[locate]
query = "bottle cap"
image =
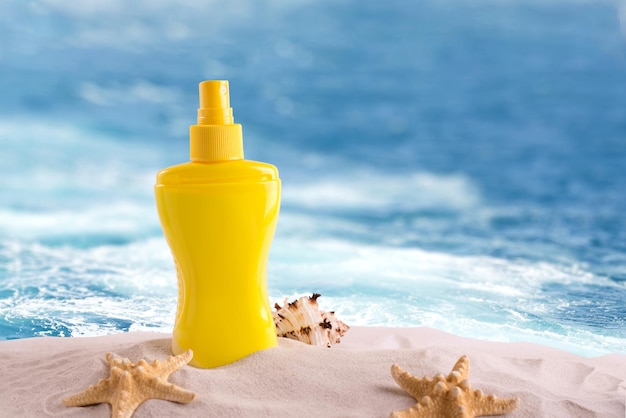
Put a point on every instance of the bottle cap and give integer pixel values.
(216, 137)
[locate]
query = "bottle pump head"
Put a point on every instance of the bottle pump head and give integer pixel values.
(216, 137)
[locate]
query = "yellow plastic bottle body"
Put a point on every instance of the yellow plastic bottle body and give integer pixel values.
(219, 220)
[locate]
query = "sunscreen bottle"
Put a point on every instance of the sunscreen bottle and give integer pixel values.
(218, 213)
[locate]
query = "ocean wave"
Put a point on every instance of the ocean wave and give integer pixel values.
(61, 290)
(339, 264)
(485, 297)
(118, 220)
(370, 190)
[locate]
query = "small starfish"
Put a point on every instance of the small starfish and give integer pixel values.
(450, 397)
(129, 385)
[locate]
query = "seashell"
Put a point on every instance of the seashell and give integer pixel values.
(302, 320)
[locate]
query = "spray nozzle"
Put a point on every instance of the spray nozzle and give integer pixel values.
(215, 103)
(216, 137)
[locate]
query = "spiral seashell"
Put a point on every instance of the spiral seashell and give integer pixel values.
(302, 320)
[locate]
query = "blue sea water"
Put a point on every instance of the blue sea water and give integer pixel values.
(453, 164)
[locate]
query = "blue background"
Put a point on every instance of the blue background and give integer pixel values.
(451, 164)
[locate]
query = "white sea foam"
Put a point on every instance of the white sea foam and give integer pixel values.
(339, 264)
(478, 296)
(370, 190)
(91, 291)
(140, 265)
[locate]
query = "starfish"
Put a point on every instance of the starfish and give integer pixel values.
(130, 384)
(450, 397)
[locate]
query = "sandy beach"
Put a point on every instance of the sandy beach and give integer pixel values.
(352, 379)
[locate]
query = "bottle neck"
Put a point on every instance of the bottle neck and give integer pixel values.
(213, 143)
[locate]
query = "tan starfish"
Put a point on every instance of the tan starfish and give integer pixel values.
(450, 397)
(130, 384)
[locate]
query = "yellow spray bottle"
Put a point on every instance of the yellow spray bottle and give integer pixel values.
(218, 213)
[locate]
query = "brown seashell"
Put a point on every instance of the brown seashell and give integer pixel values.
(302, 320)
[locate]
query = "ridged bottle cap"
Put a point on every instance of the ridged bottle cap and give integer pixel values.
(216, 137)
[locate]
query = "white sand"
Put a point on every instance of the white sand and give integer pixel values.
(351, 379)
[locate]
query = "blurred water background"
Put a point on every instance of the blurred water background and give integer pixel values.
(447, 163)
